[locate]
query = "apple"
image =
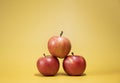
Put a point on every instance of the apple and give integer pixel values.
(59, 46)
(48, 65)
(74, 65)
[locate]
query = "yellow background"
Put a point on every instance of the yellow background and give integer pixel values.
(93, 27)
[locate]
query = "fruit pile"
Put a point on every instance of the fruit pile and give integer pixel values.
(59, 47)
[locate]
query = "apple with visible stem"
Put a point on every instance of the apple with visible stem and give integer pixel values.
(59, 46)
(48, 65)
(74, 65)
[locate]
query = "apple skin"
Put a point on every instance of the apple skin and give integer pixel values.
(59, 46)
(74, 65)
(48, 65)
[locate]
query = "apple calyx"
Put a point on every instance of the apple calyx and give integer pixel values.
(72, 53)
(61, 33)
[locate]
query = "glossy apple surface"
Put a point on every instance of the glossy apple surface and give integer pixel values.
(48, 65)
(74, 65)
(59, 46)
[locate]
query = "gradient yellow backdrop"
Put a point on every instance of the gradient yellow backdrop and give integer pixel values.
(93, 27)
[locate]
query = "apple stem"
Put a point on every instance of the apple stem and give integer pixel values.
(61, 33)
(44, 55)
(72, 53)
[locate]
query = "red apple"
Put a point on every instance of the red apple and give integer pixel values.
(59, 46)
(74, 65)
(48, 65)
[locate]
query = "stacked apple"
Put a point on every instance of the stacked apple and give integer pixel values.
(59, 47)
